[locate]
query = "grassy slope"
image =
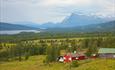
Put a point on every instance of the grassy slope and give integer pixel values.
(36, 63)
(98, 64)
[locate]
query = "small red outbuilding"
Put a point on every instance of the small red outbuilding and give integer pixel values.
(73, 56)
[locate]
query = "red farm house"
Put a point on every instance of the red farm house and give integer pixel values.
(74, 56)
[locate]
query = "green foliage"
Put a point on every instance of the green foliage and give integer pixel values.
(36, 63)
(25, 45)
(51, 35)
(27, 54)
(75, 63)
(20, 50)
(91, 50)
(52, 53)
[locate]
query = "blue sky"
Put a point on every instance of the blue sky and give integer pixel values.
(40, 11)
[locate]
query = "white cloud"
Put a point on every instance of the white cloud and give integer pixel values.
(65, 2)
(52, 10)
(107, 8)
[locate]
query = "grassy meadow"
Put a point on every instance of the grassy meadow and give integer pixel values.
(36, 63)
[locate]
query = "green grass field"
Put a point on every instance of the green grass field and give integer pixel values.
(36, 63)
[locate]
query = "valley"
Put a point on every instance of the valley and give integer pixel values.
(26, 52)
(57, 34)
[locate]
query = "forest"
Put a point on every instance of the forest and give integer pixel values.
(22, 46)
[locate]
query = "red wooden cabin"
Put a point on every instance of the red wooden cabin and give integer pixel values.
(73, 56)
(67, 58)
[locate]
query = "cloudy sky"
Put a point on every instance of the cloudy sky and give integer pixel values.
(40, 11)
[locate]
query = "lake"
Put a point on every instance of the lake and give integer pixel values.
(17, 31)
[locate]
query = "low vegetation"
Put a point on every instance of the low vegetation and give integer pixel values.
(36, 63)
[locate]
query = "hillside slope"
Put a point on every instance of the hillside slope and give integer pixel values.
(102, 27)
(8, 26)
(36, 63)
(98, 64)
(81, 20)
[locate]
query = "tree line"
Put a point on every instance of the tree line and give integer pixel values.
(22, 50)
(51, 35)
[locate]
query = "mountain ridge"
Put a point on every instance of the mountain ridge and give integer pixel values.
(71, 21)
(102, 27)
(81, 20)
(9, 26)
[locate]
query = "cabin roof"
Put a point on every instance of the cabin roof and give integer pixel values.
(75, 54)
(106, 50)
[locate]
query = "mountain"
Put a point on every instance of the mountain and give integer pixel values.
(51, 25)
(70, 21)
(102, 27)
(73, 20)
(8, 26)
(37, 25)
(29, 24)
(81, 20)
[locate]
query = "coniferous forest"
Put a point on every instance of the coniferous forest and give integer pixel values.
(22, 46)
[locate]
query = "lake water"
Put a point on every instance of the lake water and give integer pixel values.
(17, 31)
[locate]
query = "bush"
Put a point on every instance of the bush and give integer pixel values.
(52, 54)
(75, 63)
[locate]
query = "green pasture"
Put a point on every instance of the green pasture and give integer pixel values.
(36, 63)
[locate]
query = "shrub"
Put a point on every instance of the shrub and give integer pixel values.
(75, 63)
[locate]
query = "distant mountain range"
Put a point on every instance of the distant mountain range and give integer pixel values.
(102, 27)
(8, 26)
(81, 20)
(70, 21)
(37, 25)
